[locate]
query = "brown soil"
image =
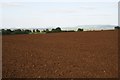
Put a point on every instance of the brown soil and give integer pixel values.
(61, 55)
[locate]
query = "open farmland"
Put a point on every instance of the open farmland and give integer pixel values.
(69, 55)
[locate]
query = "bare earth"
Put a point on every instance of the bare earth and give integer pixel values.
(61, 55)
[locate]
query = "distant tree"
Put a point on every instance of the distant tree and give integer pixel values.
(33, 30)
(47, 31)
(58, 29)
(79, 29)
(44, 31)
(3, 31)
(7, 31)
(17, 31)
(53, 30)
(37, 30)
(27, 31)
(117, 27)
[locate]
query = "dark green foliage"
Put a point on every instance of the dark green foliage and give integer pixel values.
(53, 30)
(79, 29)
(33, 30)
(58, 29)
(117, 27)
(68, 31)
(47, 31)
(27, 31)
(16, 31)
(19, 31)
(8, 31)
(37, 30)
(44, 31)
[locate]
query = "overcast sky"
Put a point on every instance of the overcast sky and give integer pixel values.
(63, 13)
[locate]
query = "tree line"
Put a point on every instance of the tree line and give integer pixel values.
(16, 31)
(58, 29)
(27, 31)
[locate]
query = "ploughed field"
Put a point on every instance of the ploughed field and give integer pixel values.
(61, 55)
